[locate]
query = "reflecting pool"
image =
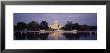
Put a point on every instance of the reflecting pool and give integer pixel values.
(55, 35)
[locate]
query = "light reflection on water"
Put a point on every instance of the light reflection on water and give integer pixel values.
(56, 35)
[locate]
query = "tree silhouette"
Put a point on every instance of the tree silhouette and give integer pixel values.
(86, 27)
(44, 25)
(68, 26)
(83, 27)
(76, 26)
(20, 26)
(33, 26)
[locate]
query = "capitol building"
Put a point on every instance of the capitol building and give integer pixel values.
(55, 25)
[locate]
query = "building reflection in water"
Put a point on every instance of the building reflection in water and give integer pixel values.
(56, 35)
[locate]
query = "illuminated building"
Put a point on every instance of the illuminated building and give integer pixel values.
(56, 25)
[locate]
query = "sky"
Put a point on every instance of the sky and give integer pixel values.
(81, 18)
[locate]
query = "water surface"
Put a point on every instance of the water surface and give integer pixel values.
(56, 35)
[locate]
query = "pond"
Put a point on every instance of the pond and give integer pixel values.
(55, 35)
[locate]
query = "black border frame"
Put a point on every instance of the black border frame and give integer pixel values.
(3, 3)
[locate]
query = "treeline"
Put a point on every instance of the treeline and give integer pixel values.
(35, 26)
(75, 26)
(32, 26)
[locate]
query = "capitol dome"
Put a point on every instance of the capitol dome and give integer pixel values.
(56, 25)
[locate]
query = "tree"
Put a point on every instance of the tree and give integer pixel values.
(83, 27)
(76, 26)
(86, 27)
(20, 26)
(33, 26)
(44, 25)
(68, 26)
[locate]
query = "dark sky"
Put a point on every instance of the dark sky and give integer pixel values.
(81, 18)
